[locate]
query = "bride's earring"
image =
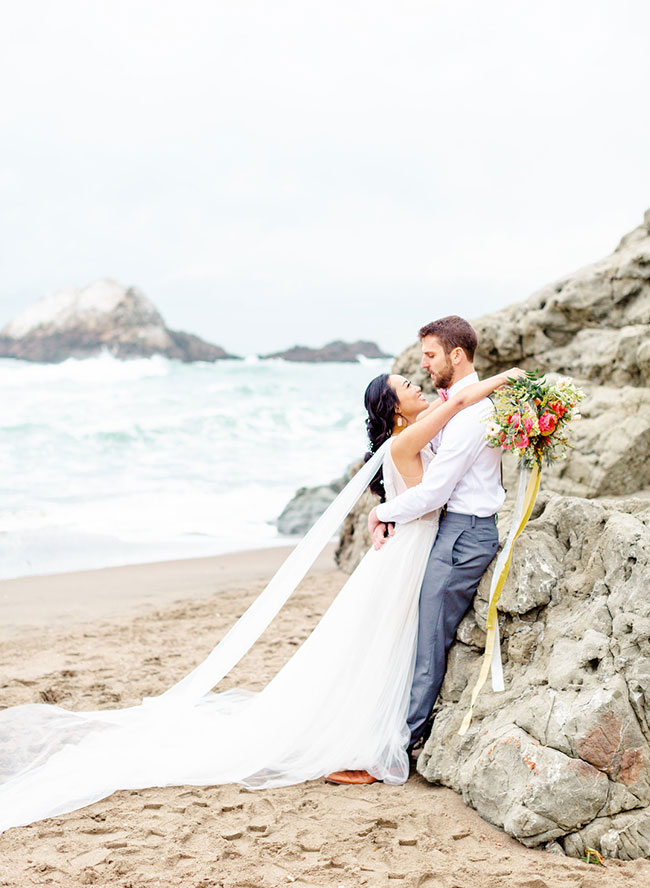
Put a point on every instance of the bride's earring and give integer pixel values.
(400, 422)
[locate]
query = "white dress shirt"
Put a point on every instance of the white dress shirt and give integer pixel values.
(466, 473)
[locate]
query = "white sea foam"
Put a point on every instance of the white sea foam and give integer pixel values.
(111, 462)
(103, 368)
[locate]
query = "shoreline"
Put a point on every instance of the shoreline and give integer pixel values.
(59, 600)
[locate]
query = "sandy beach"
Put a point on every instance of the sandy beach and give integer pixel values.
(107, 638)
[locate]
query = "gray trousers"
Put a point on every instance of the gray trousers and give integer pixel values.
(463, 548)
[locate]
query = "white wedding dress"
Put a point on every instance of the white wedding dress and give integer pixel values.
(340, 702)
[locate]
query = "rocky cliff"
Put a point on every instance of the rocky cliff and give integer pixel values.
(105, 316)
(592, 324)
(562, 758)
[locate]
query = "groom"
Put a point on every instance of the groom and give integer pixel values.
(464, 480)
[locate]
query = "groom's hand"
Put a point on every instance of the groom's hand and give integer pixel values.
(379, 531)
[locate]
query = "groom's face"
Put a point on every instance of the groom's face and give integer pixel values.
(437, 362)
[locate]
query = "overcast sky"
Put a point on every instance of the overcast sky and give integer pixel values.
(281, 172)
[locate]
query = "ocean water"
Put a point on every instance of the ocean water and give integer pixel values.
(107, 462)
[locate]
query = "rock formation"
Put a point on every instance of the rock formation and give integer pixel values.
(592, 324)
(105, 316)
(562, 758)
(306, 506)
(345, 352)
(564, 754)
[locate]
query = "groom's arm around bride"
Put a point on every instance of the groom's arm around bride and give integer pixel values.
(466, 477)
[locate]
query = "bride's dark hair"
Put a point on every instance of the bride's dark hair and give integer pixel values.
(381, 402)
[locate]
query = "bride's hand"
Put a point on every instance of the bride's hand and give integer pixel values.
(513, 373)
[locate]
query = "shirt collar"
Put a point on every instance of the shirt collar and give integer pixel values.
(463, 383)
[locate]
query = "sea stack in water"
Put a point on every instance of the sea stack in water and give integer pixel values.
(105, 316)
(337, 351)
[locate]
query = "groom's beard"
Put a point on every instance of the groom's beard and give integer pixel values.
(442, 379)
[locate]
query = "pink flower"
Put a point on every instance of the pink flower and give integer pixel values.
(515, 419)
(522, 441)
(547, 423)
(528, 424)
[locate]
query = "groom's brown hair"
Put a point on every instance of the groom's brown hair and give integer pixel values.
(453, 332)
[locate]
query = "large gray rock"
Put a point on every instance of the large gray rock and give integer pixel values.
(595, 326)
(593, 323)
(564, 754)
(337, 351)
(562, 757)
(309, 503)
(306, 506)
(102, 317)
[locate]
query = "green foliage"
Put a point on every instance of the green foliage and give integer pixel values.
(531, 386)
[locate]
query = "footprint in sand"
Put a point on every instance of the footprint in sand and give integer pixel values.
(173, 859)
(407, 840)
(185, 835)
(309, 841)
(386, 824)
(231, 834)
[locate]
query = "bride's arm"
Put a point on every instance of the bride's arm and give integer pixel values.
(415, 437)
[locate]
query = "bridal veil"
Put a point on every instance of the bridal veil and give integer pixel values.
(339, 702)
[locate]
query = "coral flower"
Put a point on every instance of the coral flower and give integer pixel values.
(547, 423)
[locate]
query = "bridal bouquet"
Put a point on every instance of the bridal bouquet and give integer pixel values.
(532, 416)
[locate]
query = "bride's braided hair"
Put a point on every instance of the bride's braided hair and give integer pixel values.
(381, 402)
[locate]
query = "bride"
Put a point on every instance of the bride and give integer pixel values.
(340, 702)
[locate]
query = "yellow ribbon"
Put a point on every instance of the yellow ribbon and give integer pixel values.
(497, 588)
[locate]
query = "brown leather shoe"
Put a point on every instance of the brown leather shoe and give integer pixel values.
(350, 777)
